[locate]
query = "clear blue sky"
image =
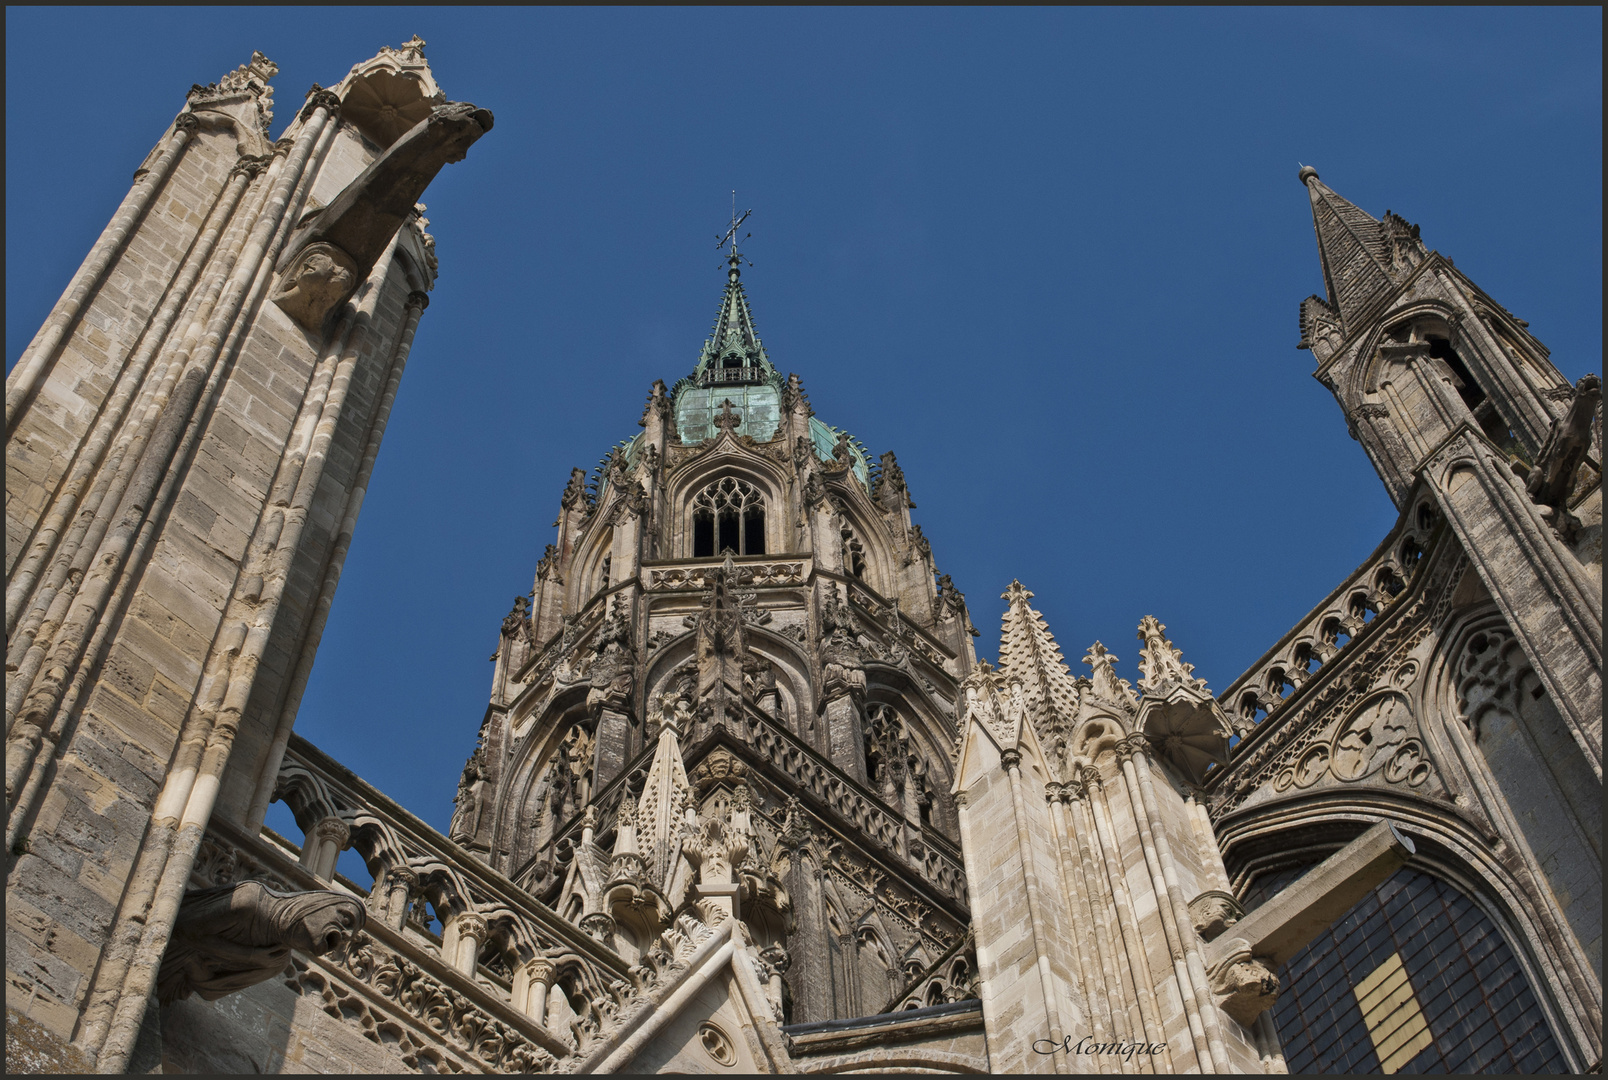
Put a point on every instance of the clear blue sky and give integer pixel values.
(1052, 258)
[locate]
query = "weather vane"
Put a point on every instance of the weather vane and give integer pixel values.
(731, 233)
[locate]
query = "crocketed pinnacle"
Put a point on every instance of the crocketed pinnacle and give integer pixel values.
(1161, 665)
(661, 808)
(1363, 258)
(1104, 683)
(1027, 651)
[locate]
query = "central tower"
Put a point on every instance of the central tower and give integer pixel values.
(732, 693)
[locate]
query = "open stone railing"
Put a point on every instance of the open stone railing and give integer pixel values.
(390, 985)
(492, 930)
(1301, 656)
(752, 571)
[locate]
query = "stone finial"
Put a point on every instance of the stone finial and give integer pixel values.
(1103, 677)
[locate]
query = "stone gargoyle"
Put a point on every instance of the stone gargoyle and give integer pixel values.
(334, 248)
(1552, 481)
(234, 936)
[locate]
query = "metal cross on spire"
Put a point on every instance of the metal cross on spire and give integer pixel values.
(736, 223)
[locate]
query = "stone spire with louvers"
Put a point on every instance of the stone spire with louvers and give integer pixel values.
(733, 337)
(1027, 651)
(1364, 259)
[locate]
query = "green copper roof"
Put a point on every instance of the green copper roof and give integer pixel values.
(733, 366)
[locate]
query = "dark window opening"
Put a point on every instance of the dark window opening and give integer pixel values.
(729, 540)
(1467, 388)
(608, 561)
(703, 536)
(754, 532)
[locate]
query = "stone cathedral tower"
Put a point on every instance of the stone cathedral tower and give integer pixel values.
(744, 798)
(735, 687)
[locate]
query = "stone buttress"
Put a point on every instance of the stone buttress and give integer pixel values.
(188, 438)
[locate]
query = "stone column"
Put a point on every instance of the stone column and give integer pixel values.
(1076, 891)
(323, 846)
(461, 940)
(1172, 910)
(1128, 923)
(531, 983)
(400, 884)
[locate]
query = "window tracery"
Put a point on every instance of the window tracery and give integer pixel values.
(728, 515)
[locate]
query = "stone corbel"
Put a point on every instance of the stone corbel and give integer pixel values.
(1213, 912)
(1244, 986)
(232, 937)
(1240, 964)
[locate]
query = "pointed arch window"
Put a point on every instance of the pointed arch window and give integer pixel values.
(728, 515)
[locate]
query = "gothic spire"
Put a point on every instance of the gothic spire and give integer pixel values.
(1363, 258)
(1027, 650)
(1161, 663)
(733, 343)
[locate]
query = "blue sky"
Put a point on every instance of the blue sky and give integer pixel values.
(1052, 258)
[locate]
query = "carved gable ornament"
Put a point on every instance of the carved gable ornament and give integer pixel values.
(1377, 741)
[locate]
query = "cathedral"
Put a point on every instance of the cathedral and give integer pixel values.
(744, 798)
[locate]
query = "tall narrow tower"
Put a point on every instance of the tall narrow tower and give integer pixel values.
(188, 438)
(1450, 395)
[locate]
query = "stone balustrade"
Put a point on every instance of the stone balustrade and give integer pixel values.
(492, 930)
(1301, 655)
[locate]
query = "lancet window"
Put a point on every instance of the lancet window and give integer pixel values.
(728, 515)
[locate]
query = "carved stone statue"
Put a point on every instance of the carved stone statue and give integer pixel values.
(234, 936)
(470, 800)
